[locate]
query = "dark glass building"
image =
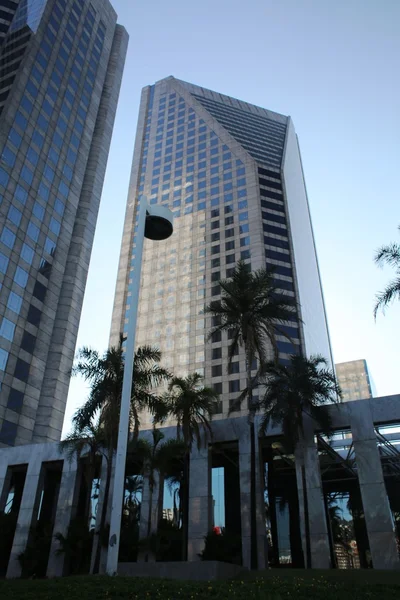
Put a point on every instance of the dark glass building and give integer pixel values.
(232, 174)
(61, 64)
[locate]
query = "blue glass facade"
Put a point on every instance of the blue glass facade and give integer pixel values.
(49, 118)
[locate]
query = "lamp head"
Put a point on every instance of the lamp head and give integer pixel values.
(159, 223)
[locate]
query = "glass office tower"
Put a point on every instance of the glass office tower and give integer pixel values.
(355, 380)
(61, 64)
(231, 172)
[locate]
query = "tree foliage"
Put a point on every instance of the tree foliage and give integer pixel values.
(289, 392)
(388, 255)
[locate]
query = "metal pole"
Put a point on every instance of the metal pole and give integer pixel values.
(123, 431)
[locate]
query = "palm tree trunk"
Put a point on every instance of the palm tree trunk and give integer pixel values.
(273, 515)
(160, 502)
(89, 476)
(305, 496)
(149, 519)
(296, 545)
(100, 532)
(253, 514)
(306, 516)
(185, 505)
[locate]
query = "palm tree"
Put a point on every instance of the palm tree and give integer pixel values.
(192, 406)
(105, 375)
(88, 442)
(253, 312)
(301, 388)
(133, 489)
(169, 460)
(389, 255)
(157, 436)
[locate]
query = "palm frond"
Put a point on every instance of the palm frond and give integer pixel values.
(389, 294)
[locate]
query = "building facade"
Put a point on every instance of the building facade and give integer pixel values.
(355, 380)
(231, 173)
(61, 64)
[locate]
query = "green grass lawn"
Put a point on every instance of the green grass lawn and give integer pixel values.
(271, 585)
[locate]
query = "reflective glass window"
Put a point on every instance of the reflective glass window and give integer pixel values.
(32, 156)
(59, 206)
(63, 189)
(32, 89)
(14, 215)
(38, 211)
(43, 191)
(55, 226)
(14, 137)
(3, 363)
(27, 174)
(8, 156)
(7, 237)
(26, 104)
(27, 253)
(14, 302)
(4, 177)
(21, 277)
(38, 139)
(49, 246)
(42, 122)
(4, 260)
(7, 329)
(33, 232)
(21, 121)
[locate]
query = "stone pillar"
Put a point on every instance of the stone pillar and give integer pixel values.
(200, 505)
(376, 507)
(245, 480)
(307, 457)
(29, 506)
(64, 514)
(5, 478)
(148, 497)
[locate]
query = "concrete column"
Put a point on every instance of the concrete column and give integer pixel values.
(64, 514)
(29, 505)
(307, 456)
(245, 480)
(199, 501)
(4, 483)
(378, 517)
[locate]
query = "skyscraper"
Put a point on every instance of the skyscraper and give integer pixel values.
(355, 380)
(61, 64)
(232, 174)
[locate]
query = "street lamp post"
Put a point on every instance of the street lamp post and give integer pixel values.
(154, 223)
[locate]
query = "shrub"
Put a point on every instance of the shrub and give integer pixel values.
(224, 546)
(8, 522)
(34, 558)
(77, 546)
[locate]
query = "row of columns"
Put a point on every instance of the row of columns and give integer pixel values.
(372, 486)
(375, 501)
(30, 504)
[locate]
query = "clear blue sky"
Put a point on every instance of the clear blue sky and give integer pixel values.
(333, 65)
